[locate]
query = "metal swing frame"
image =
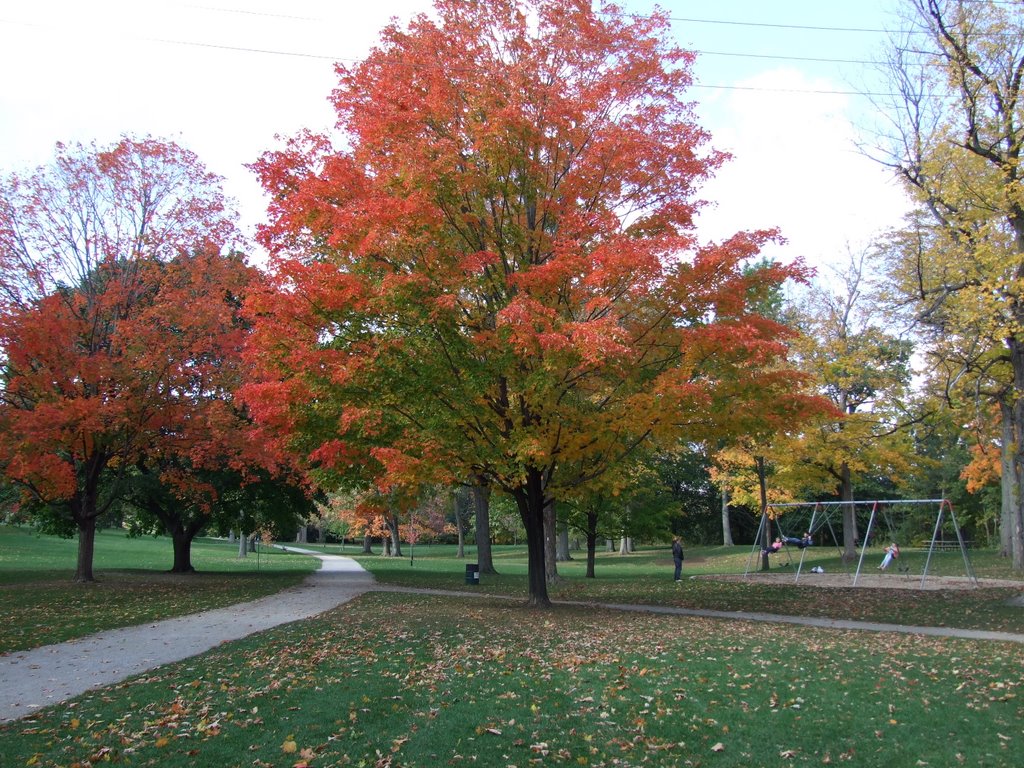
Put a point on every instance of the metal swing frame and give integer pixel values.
(824, 509)
(944, 505)
(811, 528)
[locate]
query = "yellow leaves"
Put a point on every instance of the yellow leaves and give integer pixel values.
(289, 746)
(162, 742)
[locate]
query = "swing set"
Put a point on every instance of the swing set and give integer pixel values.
(820, 529)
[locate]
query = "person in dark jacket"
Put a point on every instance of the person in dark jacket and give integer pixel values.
(677, 557)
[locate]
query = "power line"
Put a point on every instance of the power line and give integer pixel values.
(809, 91)
(782, 57)
(763, 89)
(349, 59)
(245, 12)
(621, 14)
(300, 54)
(760, 24)
(730, 54)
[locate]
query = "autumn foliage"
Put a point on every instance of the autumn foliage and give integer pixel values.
(115, 323)
(494, 272)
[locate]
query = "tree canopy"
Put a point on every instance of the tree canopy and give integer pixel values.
(959, 263)
(494, 273)
(111, 319)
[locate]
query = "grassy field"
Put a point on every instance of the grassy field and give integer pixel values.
(40, 604)
(410, 680)
(396, 680)
(645, 578)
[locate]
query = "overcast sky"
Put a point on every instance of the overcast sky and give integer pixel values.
(224, 77)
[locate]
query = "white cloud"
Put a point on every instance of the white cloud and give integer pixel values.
(796, 166)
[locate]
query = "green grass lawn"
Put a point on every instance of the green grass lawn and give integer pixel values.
(412, 680)
(406, 680)
(646, 578)
(39, 603)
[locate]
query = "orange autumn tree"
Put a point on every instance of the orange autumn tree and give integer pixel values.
(200, 466)
(494, 271)
(93, 368)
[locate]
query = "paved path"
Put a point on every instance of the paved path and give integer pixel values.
(54, 673)
(51, 674)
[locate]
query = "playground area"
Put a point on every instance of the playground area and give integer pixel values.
(880, 544)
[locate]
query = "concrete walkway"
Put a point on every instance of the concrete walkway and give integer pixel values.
(54, 673)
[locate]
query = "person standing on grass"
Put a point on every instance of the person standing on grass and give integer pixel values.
(677, 557)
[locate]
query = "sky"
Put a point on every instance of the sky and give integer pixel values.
(777, 86)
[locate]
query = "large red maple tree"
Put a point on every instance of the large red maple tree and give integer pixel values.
(494, 273)
(107, 351)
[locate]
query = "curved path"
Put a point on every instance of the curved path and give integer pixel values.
(54, 673)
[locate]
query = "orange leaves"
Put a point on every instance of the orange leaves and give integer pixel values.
(130, 322)
(985, 466)
(498, 264)
(333, 454)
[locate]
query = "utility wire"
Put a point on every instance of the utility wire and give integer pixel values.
(759, 24)
(728, 54)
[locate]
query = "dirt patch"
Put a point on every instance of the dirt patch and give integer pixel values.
(866, 580)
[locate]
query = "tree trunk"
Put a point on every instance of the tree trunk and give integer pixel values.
(591, 542)
(301, 536)
(530, 501)
(84, 511)
(181, 531)
(609, 545)
(182, 542)
(550, 549)
(849, 515)
(86, 549)
(1008, 484)
(562, 545)
(625, 545)
(726, 523)
(460, 554)
(1017, 359)
(396, 539)
(367, 544)
(243, 544)
(482, 512)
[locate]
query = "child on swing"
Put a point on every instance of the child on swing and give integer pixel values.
(891, 553)
(774, 547)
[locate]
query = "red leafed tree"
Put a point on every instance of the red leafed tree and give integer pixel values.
(198, 461)
(92, 368)
(495, 273)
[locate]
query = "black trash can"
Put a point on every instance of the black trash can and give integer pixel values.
(472, 573)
